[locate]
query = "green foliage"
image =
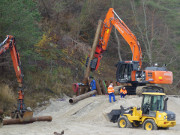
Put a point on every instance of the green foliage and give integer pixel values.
(19, 18)
(156, 6)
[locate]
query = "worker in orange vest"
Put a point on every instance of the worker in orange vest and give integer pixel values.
(123, 92)
(111, 92)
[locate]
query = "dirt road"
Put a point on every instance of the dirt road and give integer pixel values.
(87, 118)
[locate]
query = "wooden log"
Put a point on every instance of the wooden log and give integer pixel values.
(88, 88)
(18, 121)
(81, 97)
(1, 112)
(107, 83)
(118, 84)
(106, 87)
(116, 90)
(96, 40)
(98, 88)
(103, 89)
(114, 83)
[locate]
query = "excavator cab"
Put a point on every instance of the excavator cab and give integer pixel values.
(128, 71)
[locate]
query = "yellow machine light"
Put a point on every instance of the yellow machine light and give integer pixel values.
(107, 30)
(160, 77)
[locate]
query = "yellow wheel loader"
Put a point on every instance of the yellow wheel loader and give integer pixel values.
(152, 115)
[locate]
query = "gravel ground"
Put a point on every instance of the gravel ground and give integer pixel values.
(87, 118)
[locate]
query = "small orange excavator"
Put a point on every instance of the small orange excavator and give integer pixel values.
(128, 71)
(9, 44)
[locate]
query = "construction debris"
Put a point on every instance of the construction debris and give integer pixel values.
(56, 133)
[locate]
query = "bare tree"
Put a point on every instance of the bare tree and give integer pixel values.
(117, 38)
(144, 35)
(119, 45)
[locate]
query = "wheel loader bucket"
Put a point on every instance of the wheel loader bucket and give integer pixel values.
(113, 115)
(27, 115)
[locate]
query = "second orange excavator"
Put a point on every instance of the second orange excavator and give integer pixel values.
(9, 44)
(128, 71)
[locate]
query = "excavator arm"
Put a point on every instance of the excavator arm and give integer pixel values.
(10, 44)
(112, 19)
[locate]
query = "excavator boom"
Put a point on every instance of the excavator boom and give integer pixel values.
(9, 44)
(112, 19)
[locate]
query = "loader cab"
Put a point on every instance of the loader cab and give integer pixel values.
(153, 100)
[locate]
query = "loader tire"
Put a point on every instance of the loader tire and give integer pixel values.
(136, 124)
(123, 122)
(149, 125)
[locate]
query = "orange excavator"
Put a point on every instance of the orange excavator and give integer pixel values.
(128, 71)
(9, 44)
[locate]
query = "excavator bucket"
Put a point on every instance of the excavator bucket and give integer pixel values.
(27, 115)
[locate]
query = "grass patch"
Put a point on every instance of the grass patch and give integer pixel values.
(7, 98)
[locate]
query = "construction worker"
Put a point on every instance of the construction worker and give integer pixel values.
(111, 92)
(92, 84)
(123, 92)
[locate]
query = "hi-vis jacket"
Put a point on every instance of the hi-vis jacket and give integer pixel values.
(110, 89)
(123, 91)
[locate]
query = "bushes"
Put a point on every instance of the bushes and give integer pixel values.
(7, 97)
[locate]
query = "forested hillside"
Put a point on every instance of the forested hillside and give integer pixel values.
(54, 38)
